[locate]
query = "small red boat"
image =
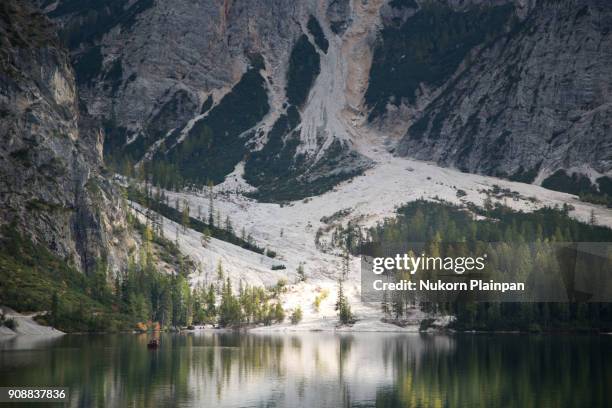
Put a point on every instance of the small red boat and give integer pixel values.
(153, 344)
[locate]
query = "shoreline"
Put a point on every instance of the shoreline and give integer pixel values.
(28, 327)
(4, 335)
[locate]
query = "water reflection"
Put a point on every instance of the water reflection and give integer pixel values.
(317, 369)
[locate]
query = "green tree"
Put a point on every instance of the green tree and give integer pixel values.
(181, 301)
(220, 277)
(205, 238)
(228, 225)
(279, 313)
(185, 217)
(229, 309)
(385, 304)
(342, 306)
(211, 308)
(211, 205)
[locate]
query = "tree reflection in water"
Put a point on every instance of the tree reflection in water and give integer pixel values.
(317, 369)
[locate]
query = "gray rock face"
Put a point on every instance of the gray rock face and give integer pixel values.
(154, 74)
(519, 98)
(50, 159)
(148, 80)
(534, 100)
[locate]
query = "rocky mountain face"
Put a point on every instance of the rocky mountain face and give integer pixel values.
(194, 88)
(52, 189)
(298, 91)
(530, 97)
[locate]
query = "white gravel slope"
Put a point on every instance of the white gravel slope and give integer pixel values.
(290, 229)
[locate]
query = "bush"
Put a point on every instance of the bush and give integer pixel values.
(296, 316)
(281, 285)
(278, 267)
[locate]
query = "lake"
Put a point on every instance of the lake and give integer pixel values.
(210, 369)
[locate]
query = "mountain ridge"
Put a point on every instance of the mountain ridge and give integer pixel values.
(146, 100)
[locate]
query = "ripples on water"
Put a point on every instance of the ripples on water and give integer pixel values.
(316, 370)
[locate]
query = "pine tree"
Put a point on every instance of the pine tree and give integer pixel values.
(205, 239)
(229, 309)
(211, 309)
(181, 301)
(211, 207)
(345, 264)
(385, 304)
(199, 299)
(228, 225)
(220, 277)
(185, 217)
(342, 306)
(165, 312)
(397, 304)
(245, 302)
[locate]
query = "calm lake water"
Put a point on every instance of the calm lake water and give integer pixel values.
(208, 369)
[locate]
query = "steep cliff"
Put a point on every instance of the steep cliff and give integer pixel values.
(52, 190)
